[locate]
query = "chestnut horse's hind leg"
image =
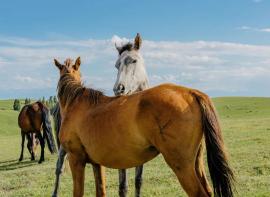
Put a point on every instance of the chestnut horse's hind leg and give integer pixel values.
(22, 145)
(190, 182)
(123, 184)
(181, 157)
(30, 146)
(42, 145)
(99, 173)
(138, 180)
(200, 170)
(77, 166)
(184, 168)
(59, 169)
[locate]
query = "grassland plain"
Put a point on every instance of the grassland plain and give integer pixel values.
(246, 127)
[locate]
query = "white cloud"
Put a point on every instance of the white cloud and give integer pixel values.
(219, 68)
(247, 28)
(244, 28)
(29, 82)
(265, 30)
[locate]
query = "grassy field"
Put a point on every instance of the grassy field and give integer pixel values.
(246, 127)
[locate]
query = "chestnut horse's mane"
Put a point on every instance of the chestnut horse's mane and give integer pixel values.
(69, 89)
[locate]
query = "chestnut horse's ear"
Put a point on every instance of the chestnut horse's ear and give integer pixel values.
(60, 66)
(77, 63)
(137, 42)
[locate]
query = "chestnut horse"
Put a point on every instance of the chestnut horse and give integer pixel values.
(130, 63)
(126, 131)
(32, 119)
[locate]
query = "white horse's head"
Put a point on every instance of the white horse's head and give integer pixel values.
(132, 76)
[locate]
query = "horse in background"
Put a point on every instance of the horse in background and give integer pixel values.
(55, 111)
(167, 119)
(136, 79)
(32, 119)
(61, 153)
(131, 78)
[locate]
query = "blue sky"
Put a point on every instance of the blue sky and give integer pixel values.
(220, 47)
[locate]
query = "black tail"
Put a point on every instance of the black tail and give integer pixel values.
(47, 129)
(57, 122)
(220, 171)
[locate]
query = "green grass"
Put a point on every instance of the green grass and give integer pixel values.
(246, 128)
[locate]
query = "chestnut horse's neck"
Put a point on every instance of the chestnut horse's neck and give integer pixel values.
(70, 89)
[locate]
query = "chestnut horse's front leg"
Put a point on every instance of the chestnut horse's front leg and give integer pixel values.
(99, 173)
(77, 166)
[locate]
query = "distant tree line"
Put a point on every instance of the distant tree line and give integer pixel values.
(17, 105)
(27, 101)
(50, 103)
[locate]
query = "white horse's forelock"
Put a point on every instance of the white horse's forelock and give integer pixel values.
(119, 42)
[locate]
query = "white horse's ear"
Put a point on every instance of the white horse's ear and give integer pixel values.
(57, 64)
(77, 63)
(137, 42)
(117, 47)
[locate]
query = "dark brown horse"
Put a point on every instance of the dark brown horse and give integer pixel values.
(32, 119)
(167, 119)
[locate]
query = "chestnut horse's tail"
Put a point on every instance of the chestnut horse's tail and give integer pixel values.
(57, 122)
(47, 129)
(220, 171)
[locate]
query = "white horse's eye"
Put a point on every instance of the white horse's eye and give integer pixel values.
(117, 64)
(130, 60)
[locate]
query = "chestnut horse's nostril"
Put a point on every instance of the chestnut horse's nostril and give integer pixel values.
(121, 88)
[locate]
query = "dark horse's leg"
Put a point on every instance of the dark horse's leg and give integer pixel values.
(30, 146)
(59, 169)
(138, 180)
(123, 184)
(42, 145)
(22, 145)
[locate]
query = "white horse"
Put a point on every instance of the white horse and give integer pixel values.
(131, 78)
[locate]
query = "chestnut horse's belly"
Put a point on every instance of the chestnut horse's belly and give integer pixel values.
(125, 158)
(117, 148)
